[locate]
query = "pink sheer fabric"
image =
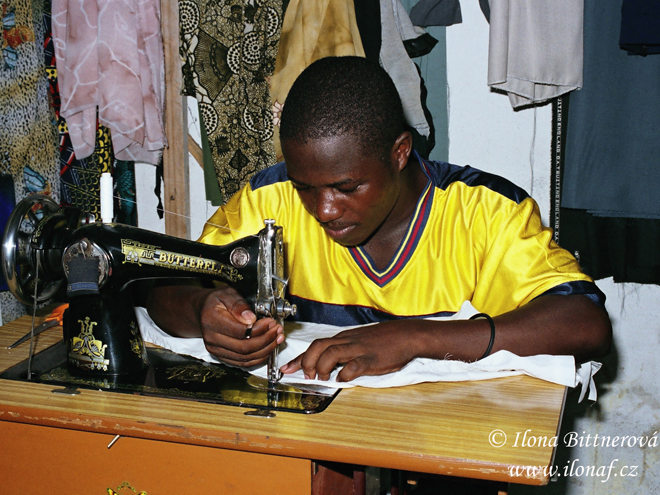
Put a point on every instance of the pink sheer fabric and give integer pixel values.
(110, 60)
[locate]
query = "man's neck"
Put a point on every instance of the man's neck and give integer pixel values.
(383, 244)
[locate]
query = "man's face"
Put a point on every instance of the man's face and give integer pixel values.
(349, 194)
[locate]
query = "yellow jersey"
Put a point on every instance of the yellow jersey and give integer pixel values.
(474, 236)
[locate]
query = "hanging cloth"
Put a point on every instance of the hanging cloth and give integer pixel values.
(367, 16)
(398, 32)
(610, 208)
(229, 52)
(79, 178)
(125, 204)
(535, 49)
(28, 133)
(311, 31)
(436, 13)
(110, 60)
(612, 146)
(640, 27)
(442, 12)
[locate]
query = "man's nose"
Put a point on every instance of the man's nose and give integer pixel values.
(326, 208)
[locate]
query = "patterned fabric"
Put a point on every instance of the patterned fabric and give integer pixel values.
(111, 68)
(229, 51)
(28, 134)
(474, 236)
(79, 177)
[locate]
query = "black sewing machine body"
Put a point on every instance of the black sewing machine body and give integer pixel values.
(101, 329)
(100, 261)
(45, 245)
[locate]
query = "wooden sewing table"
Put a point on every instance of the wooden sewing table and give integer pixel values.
(53, 443)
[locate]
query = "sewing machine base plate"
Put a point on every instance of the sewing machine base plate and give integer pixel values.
(175, 376)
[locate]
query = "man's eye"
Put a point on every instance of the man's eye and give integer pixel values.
(347, 189)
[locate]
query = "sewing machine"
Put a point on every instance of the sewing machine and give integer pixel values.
(44, 245)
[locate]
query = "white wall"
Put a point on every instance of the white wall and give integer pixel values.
(145, 179)
(483, 129)
(486, 133)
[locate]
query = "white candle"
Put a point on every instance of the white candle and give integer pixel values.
(107, 207)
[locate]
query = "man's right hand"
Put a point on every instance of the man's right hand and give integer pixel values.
(222, 317)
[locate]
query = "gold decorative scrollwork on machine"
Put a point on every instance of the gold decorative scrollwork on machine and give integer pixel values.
(86, 351)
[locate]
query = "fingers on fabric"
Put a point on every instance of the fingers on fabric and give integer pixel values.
(358, 354)
(263, 332)
(237, 359)
(322, 367)
(321, 358)
(332, 356)
(292, 366)
(266, 335)
(225, 321)
(353, 369)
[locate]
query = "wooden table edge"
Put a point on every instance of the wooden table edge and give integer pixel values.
(265, 444)
(97, 422)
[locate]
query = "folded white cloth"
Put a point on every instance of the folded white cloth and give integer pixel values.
(556, 369)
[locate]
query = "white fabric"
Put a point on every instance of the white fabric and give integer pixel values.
(535, 48)
(556, 369)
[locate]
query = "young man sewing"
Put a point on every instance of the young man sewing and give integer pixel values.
(374, 233)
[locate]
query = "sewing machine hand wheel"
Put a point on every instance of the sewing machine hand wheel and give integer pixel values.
(19, 258)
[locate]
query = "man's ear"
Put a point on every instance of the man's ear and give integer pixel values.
(401, 150)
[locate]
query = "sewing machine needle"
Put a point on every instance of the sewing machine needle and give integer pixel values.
(274, 373)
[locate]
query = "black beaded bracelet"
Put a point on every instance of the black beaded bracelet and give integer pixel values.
(492, 331)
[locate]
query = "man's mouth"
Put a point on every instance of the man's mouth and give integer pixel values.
(338, 232)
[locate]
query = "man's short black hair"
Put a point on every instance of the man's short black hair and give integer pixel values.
(337, 96)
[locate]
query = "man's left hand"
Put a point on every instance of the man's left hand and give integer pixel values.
(371, 350)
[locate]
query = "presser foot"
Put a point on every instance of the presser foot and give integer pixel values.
(271, 387)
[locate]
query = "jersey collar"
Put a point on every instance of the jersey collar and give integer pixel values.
(408, 244)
